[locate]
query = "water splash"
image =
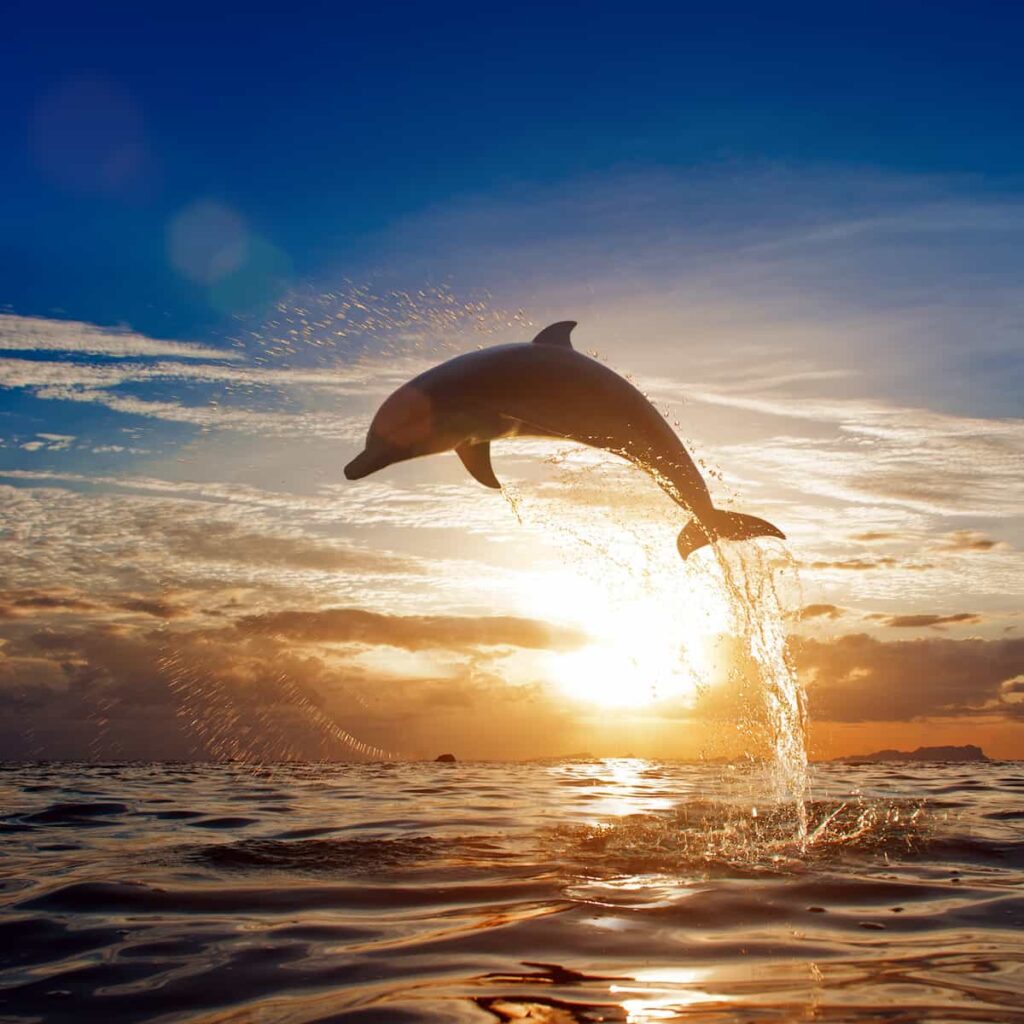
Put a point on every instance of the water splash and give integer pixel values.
(514, 500)
(354, 320)
(728, 836)
(746, 590)
(232, 726)
(751, 574)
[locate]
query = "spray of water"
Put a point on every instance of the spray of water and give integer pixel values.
(751, 576)
(275, 716)
(728, 836)
(752, 582)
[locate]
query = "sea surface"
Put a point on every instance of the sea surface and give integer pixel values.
(571, 891)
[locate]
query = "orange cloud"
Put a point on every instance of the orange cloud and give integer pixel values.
(856, 678)
(411, 632)
(968, 540)
(920, 621)
(819, 611)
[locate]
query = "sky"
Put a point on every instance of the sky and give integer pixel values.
(226, 235)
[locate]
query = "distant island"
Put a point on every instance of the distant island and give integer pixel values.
(965, 753)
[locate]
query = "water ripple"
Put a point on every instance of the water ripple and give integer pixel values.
(580, 891)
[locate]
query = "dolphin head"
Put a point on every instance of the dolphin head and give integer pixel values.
(406, 426)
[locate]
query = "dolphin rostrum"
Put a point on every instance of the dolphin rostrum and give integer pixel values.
(544, 389)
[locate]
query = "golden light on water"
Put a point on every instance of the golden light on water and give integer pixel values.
(663, 993)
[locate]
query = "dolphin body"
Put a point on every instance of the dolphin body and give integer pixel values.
(544, 389)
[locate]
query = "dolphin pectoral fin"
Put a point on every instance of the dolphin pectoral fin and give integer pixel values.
(556, 334)
(476, 457)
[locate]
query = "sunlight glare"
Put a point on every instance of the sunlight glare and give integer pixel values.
(651, 631)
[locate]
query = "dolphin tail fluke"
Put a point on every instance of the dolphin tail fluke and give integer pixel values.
(719, 525)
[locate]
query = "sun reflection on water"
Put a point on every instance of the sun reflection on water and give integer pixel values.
(663, 993)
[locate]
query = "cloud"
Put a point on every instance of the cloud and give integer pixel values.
(190, 536)
(49, 442)
(867, 451)
(100, 692)
(156, 607)
(38, 334)
(256, 399)
(968, 540)
(275, 687)
(772, 319)
(35, 603)
(225, 542)
(249, 399)
(819, 611)
(857, 678)
(306, 425)
(410, 632)
(839, 267)
(21, 603)
(919, 621)
(185, 692)
(859, 564)
(362, 379)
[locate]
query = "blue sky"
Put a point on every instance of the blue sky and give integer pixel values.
(226, 235)
(323, 125)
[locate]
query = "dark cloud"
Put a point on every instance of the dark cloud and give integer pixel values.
(18, 674)
(153, 606)
(820, 611)
(103, 691)
(104, 694)
(20, 603)
(411, 632)
(876, 536)
(857, 678)
(920, 621)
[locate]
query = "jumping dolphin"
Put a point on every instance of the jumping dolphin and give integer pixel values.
(544, 389)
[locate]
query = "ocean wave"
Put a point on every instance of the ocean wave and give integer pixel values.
(575, 891)
(347, 856)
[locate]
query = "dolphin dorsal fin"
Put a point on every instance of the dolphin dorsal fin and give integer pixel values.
(476, 457)
(556, 334)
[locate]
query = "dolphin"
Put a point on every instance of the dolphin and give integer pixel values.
(544, 389)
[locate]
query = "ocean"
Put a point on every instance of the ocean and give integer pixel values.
(616, 890)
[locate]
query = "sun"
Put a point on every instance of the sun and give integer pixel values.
(611, 676)
(607, 566)
(650, 634)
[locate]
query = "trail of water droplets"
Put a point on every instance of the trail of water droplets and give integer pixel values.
(313, 328)
(751, 573)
